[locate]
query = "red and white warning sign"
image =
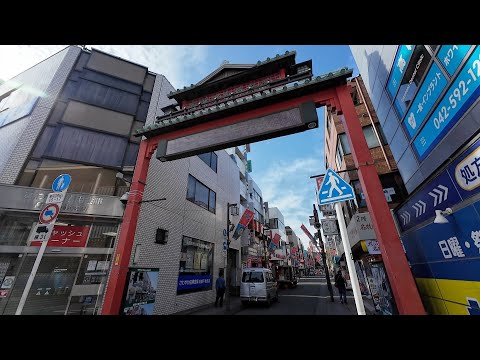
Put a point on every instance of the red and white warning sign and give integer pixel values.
(49, 213)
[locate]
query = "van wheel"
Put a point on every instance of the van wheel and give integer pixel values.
(269, 301)
(244, 302)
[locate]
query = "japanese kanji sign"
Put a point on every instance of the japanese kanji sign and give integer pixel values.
(67, 236)
(466, 171)
(461, 94)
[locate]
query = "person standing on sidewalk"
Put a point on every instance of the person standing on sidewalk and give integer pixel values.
(340, 284)
(220, 287)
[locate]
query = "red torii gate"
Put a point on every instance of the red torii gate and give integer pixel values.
(337, 98)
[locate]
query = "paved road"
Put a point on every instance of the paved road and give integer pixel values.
(310, 297)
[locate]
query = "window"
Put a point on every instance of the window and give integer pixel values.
(256, 196)
(210, 159)
(345, 144)
(329, 119)
(355, 96)
(382, 135)
(200, 194)
(339, 155)
(273, 224)
(372, 140)
(252, 277)
(196, 266)
(257, 216)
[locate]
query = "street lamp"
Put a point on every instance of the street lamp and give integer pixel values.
(234, 210)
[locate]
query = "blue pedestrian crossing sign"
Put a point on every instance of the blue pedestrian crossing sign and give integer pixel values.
(334, 189)
(61, 182)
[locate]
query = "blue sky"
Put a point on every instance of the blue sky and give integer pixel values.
(281, 167)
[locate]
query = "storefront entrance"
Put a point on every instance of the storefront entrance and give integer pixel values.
(64, 284)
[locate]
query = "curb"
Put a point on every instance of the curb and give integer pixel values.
(233, 310)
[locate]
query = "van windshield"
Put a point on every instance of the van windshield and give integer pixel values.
(253, 277)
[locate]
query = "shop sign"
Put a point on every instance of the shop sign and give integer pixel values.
(373, 246)
(186, 282)
(432, 87)
(457, 99)
(460, 181)
(399, 65)
(21, 198)
(452, 56)
(67, 236)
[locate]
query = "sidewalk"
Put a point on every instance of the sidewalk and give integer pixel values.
(210, 309)
(326, 307)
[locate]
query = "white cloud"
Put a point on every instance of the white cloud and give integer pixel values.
(181, 64)
(15, 59)
(286, 185)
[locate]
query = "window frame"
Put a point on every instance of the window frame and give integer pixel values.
(374, 136)
(209, 208)
(211, 164)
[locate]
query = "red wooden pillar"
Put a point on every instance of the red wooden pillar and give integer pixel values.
(118, 274)
(401, 280)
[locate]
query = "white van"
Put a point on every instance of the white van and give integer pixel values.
(258, 284)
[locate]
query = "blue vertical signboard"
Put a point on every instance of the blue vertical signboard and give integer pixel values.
(451, 56)
(429, 92)
(401, 60)
(461, 94)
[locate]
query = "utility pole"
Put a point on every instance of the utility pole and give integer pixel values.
(227, 273)
(322, 247)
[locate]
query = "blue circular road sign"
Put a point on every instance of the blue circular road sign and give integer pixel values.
(61, 182)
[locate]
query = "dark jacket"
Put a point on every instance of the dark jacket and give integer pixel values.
(220, 284)
(340, 281)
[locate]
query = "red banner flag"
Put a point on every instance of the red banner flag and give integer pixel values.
(305, 230)
(276, 239)
(247, 216)
(319, 182)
